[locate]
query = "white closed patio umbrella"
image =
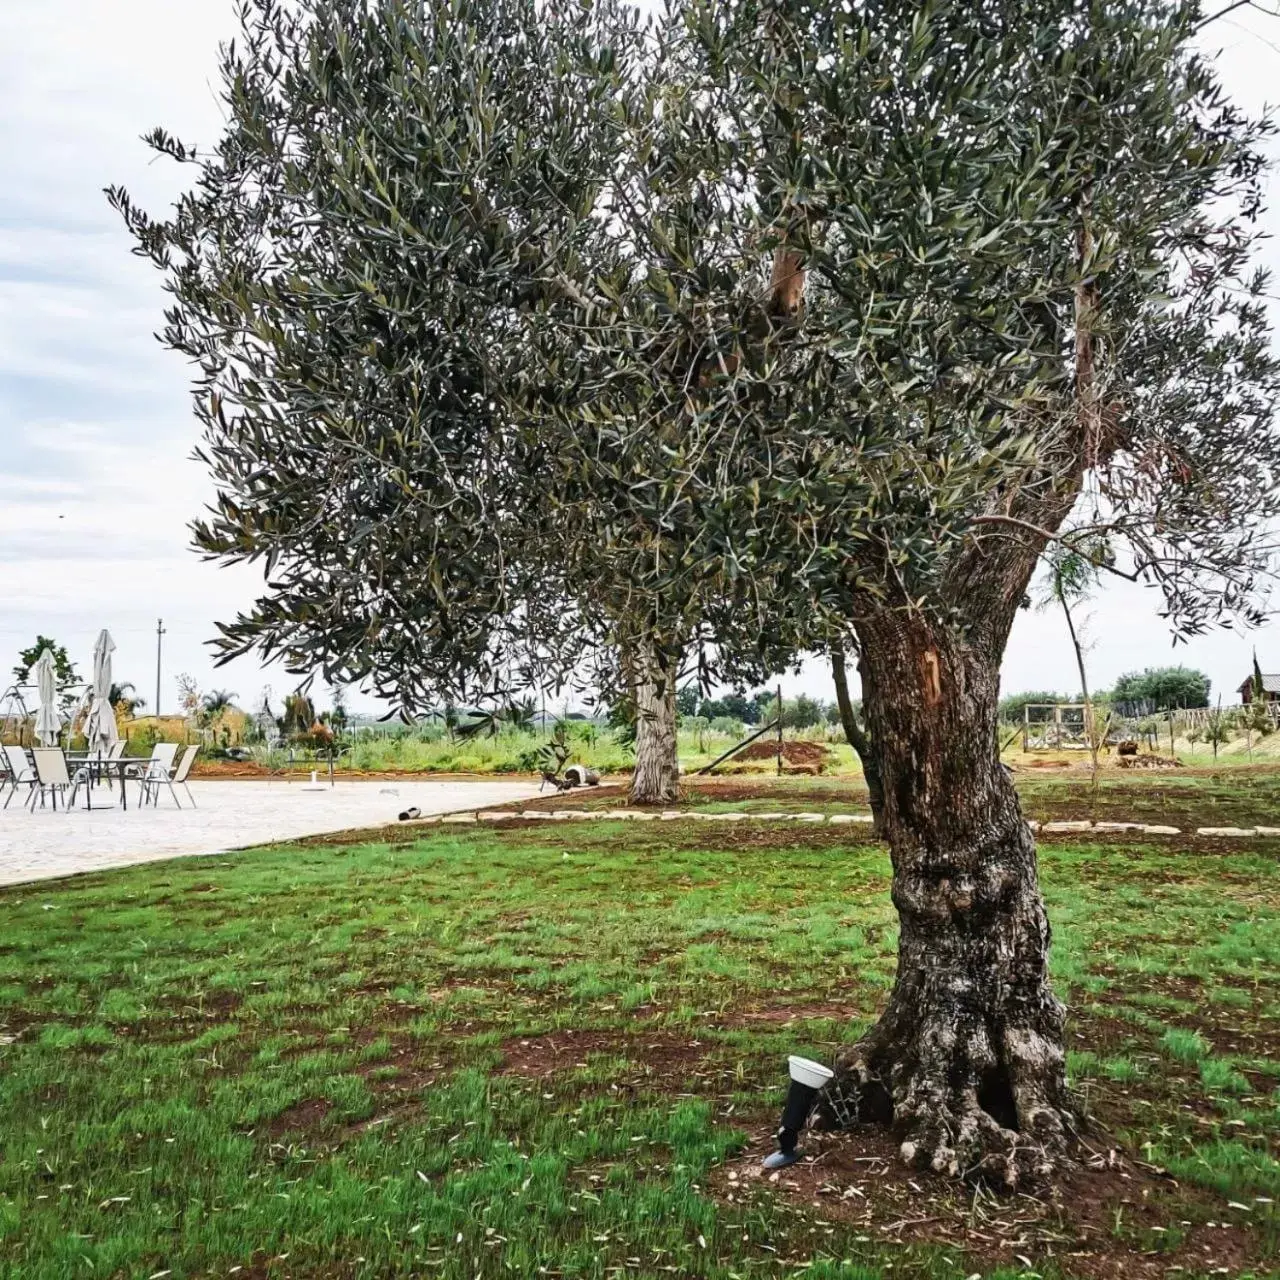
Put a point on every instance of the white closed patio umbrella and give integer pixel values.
(100, 724)
(48, 725)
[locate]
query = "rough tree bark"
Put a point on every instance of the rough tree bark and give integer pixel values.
(857, 738)
(967, 1061)
(656, 779)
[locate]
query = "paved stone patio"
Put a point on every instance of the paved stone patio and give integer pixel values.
(230, 815)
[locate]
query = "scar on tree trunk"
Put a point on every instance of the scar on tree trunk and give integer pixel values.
(857, 738)
(787, 284)
(967, 1062)
(656, 778)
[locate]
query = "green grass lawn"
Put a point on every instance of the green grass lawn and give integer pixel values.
(560, 1051)
(1232, 795)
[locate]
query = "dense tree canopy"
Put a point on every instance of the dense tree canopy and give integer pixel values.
(487, 355)
(747, 709)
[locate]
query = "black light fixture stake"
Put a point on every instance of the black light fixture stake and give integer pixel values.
(808, 1079)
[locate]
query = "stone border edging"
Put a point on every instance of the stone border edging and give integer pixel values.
(835, 819)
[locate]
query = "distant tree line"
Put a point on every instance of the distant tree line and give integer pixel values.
(1135, 693)
(756, 708)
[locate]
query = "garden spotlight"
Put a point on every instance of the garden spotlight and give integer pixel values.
(808, 1079)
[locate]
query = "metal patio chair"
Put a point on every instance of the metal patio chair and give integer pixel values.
(20, 772)
(53, 778)
(113, 753)
(156, 768)
(173, 779)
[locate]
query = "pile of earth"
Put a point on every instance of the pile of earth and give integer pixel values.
(798, 756)
(1148, 762)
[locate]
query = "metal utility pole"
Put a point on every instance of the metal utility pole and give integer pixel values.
(159, 633)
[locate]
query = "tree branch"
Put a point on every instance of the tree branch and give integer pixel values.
(1231, 8)
(1064, 538)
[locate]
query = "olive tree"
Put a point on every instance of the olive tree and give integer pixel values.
(1035, 250)
(439, 252)
(770, 322)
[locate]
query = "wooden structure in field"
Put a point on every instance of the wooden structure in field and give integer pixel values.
(1270, 689)
(1055, 726)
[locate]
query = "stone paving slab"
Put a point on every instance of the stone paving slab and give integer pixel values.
(1080, 827)
(230, 815)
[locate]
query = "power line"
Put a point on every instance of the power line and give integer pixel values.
(1231, 8)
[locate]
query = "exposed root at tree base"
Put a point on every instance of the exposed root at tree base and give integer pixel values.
(971, 1145)
(956, 1122)
(856, 1178)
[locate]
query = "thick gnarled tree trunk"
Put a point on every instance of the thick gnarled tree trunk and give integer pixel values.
(967, 1061)
(656, 779)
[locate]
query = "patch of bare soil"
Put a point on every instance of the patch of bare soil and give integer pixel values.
(658, 1054)
(829, 791)
(264, 1268)
(1108, 762)
(399, 833)
(660, 836)
(784, 1014)
(223, 769)
(303, 1117)
(218, 1004)
(399, 1096)
(1106, 1217)
(399, 1079)
(14, 1023)
(608, 795)
(1227, 1029)
(397, 1082)
(721, 788)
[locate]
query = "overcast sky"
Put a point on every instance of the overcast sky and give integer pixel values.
(96, 482)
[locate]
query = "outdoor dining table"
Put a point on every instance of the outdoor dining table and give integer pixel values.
(122, 769)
